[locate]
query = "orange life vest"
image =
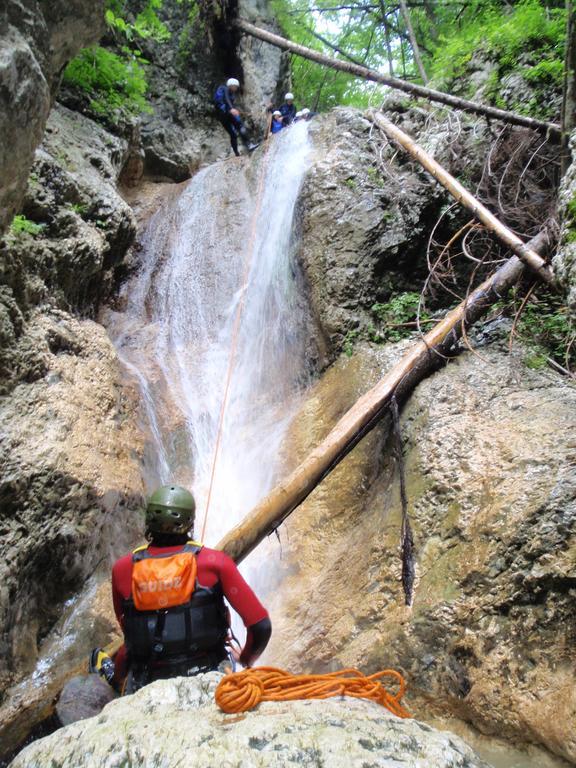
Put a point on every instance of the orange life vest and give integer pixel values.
(163, 581)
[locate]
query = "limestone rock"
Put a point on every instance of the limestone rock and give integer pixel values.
(565, 258)
(176, 722)
(36, 40)
(82, 229)
(66, 509)
(492, 493)
(364, 220)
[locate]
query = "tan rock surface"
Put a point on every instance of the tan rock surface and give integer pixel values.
(492, 488)
(70, 495)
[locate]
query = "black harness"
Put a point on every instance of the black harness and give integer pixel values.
(174, 641)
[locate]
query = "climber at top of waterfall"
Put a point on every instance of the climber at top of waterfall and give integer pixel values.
(169, 600)
(277, 123)
(229, 115)
(288, 109)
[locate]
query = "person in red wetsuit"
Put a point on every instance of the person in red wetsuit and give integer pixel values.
(169, 600)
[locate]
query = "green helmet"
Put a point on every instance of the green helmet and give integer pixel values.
(170, 509)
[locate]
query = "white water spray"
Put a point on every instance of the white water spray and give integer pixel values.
(176, 334)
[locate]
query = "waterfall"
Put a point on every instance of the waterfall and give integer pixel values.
(227, 240)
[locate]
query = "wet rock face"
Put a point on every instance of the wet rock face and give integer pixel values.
(565, 259)
(79, 230)
(365, 221)
(181, 133)
(66, 508)
(334, 732)
(492, 492)
(36, 40)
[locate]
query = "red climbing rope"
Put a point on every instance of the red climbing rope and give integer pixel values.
(241, 691)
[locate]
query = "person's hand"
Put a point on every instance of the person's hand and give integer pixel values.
(235, 112)
(235, 652)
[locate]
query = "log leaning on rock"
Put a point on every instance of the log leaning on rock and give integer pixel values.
(464, 197)
(394, 82)
(428, 353)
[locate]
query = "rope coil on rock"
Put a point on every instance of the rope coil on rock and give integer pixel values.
(241, 691)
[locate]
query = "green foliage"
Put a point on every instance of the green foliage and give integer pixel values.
(80, 208)
(527, 37)
(115, 83)
(570, 220)
(398, 316)
(22, 225)
(192, 32)
(146, 25)
(549, 332)
(349, 340)
(315, 86)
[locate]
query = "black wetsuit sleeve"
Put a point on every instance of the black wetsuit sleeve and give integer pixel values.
(257, 639)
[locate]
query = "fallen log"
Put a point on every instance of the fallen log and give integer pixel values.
(426, 354)
(394, 82)
(463, 196)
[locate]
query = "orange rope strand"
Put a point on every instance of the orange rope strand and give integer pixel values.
(241, 691)
(236, 329)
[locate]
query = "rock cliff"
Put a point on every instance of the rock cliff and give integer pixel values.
(565, 259)
(491, 483)
(336, 732)
(37, 40)
(492, 491)
(70, 484)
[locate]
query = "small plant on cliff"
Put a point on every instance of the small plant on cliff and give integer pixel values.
(527, 38)
(548, 331)
(115, 84)
(22, 225)
(397, 317)
(146, 25)
(115, 80)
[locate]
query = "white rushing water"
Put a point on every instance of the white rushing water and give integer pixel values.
(227, 240)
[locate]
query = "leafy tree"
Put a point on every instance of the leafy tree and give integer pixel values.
(528, 36)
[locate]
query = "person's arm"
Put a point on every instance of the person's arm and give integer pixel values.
(250, 609)
(121, 576)
(257, 637)
(228, 99)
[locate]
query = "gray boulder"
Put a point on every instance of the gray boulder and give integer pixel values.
(176, 722)
(37, 39)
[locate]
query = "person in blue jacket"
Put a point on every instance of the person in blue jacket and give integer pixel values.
(229, 115)
(288, 109)
(277, 122)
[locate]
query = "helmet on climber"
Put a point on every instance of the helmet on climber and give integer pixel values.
(169, 600)
(229, 115)
(289, 97)
(170, 509)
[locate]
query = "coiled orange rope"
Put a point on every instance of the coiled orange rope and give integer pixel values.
(241, 691)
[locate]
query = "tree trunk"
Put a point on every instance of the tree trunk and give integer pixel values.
(569, 93)
(425, 355)
(394, 82)
(413, 41)
(461, 194)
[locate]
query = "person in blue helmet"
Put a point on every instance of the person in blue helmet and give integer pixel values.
(229, 116)
(277, 123)
(288, 109)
